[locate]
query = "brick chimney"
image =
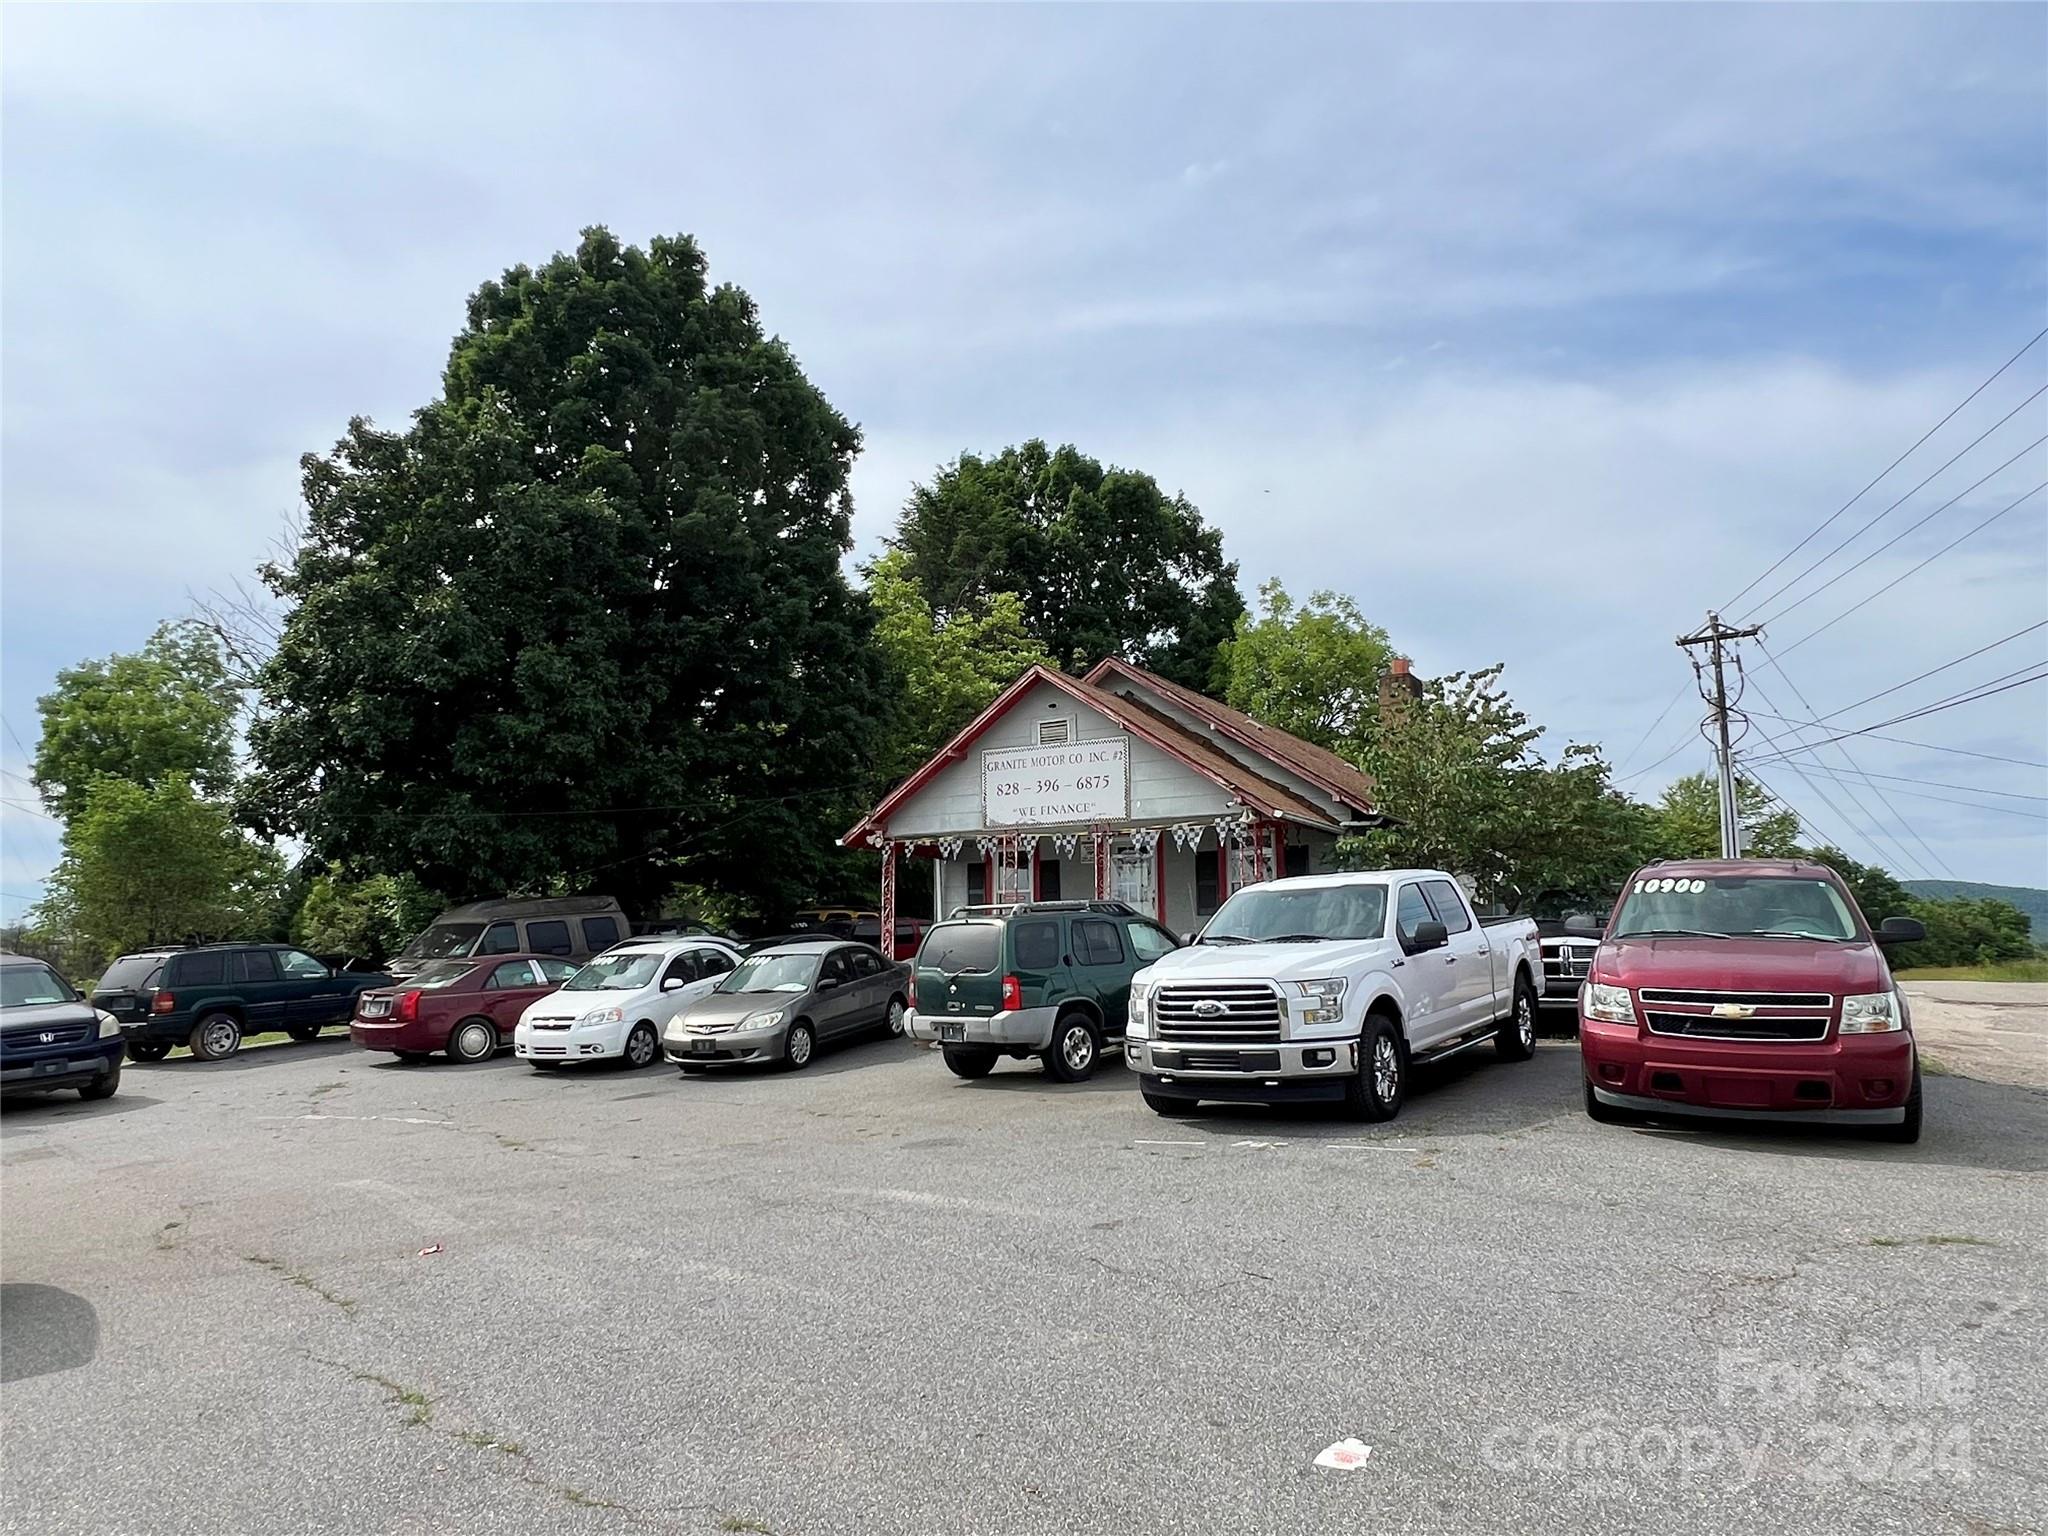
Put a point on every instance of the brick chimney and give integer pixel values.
(1398, 685)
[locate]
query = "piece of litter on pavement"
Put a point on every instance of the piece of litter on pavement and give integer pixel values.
(1345, 1455)
(430, 1250)
(1255, 1145)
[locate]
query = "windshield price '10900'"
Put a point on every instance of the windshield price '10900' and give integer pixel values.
(1734, 906)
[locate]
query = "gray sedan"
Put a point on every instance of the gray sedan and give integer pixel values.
(782, 1003)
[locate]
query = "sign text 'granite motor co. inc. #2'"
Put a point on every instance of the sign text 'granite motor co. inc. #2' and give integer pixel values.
(1067, 785)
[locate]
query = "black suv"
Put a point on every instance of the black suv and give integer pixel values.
(210, 997)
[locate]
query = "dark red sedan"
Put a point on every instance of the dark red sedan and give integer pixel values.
(465, 1007)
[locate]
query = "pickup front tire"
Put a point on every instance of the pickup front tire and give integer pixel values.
(1517, 1038)
(1382, 1081)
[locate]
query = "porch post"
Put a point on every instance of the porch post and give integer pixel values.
(1101, 839)
(888, 933)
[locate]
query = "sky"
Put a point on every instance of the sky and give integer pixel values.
(1537, 330)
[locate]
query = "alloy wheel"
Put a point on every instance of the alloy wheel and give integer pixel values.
(1077, 1047)
(1386, 1069)
(220, 1037)
(1525, 1020)
(895, 1017)
(799, 1047)
(640, 1046)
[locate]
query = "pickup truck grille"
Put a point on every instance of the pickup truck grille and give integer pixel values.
(1225, 1010)
(1766, 1016)
(1567, 961)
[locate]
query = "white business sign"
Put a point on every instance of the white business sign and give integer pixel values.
(1068, 785)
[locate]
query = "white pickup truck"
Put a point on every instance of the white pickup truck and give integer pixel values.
(1331, 987)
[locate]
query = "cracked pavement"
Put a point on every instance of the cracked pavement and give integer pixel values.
(872, 1298)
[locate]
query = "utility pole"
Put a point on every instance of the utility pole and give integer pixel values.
(1714, 636)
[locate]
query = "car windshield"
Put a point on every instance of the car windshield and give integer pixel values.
(616, 973)
(32, 986)
(442, 973)
(1734, 906)
(1299, 914)
(772, 973)
(441, 940)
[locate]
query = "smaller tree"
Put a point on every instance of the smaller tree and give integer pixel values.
(944, 669)
(168, 709)
(1312, 670)
(157, 865)
(367, 919)
(1965, 932)
(1688, 821)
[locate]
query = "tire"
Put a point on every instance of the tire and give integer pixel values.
(1517, 1038)
(216, 1037)
(1907, 1131)
(1161, 1104)
(1376, 1093)
(1607, 1114)
(304, 1033)
(1074, 1051)
(104, 1088)
(969, 1060)
(473, 1040)
(148, 1050)
(892, 1024)
(642, 1046)
(799, 1046)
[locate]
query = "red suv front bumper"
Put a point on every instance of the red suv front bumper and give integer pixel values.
(1842, 1080)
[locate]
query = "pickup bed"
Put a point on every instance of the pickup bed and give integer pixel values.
(1331, 987)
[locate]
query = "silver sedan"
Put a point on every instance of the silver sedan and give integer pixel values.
(782, 1003)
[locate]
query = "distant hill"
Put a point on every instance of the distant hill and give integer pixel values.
(2029, 899)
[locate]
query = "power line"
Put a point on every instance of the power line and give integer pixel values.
(1657, 764)
(1632, 751)
(1826, 799)
(1888, 543)
(1974, 805)
(1880, 592)
(1895, 463)
(1954, 701)
(1968, 789)
(1931, 671)
(1925, 746)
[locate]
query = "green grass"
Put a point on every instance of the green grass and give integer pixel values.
(2005, 970)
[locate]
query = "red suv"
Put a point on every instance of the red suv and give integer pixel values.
(1748, 989)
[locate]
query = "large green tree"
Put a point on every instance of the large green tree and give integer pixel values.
(582, 625)
(143, 717)
(1458, 769)
(943, 671)
(1312, 669)
(1104, 561)
(1688, 821)
(157, 864)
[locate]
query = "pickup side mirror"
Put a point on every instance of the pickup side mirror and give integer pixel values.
(672, 984)
(1901, 930)
(1429, 935)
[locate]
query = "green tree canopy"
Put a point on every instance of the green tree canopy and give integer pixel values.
(1458, 768)
(369, 919)
(166, 709)
(1688, 821)
(1876, 892)
(1313, 670)
(1104, 561)
(157, 864)
(583, 625)
(944, 670)
(1961, 931)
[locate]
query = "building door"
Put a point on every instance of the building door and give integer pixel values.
(1133, 875)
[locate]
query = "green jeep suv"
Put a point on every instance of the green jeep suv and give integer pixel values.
(1050, 979)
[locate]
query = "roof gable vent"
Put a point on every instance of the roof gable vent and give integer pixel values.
(1054, 732)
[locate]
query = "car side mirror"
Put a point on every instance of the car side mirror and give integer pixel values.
(1428, 935)
(827, 983)
(672, 984)
(1901, 930)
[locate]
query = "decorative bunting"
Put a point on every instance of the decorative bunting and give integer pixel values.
(1188, 834)
(1064, 843)
(1145, 839)
(948, 846)
(988, 845)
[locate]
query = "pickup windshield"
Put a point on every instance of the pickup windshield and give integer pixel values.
(1734, 907)
(1275, 914)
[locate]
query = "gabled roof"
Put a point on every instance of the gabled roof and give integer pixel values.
(1319, 765)
(1204, 758)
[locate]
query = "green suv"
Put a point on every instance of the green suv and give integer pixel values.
(210, 997)
(1050, 979)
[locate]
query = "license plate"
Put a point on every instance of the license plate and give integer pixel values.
(701, 1047)
(952, 1031)
(47, 1067)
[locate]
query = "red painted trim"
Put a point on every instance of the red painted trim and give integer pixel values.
(1037, 877)
(1104, 704)
(1159, 880)
(988, 878)
(1117, 664)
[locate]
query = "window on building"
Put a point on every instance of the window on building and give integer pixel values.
(977, 883)
(1049, 880)
(1208, 883)
(1295, 860)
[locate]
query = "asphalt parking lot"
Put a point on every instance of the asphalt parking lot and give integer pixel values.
(871, 1298)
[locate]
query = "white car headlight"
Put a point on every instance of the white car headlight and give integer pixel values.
(1608, 1004)
(1872, 1013)
(109, 1026)
(602, 1016)
(1322, 1001)
(768, 1020)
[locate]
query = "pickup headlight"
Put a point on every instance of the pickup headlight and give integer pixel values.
(1610, 1005)
(602, 1016)
(1322, 1001)
(1872, 1013)
(768, 1020)
(1138, 1022)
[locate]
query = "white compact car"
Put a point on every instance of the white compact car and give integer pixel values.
(617, 1005)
